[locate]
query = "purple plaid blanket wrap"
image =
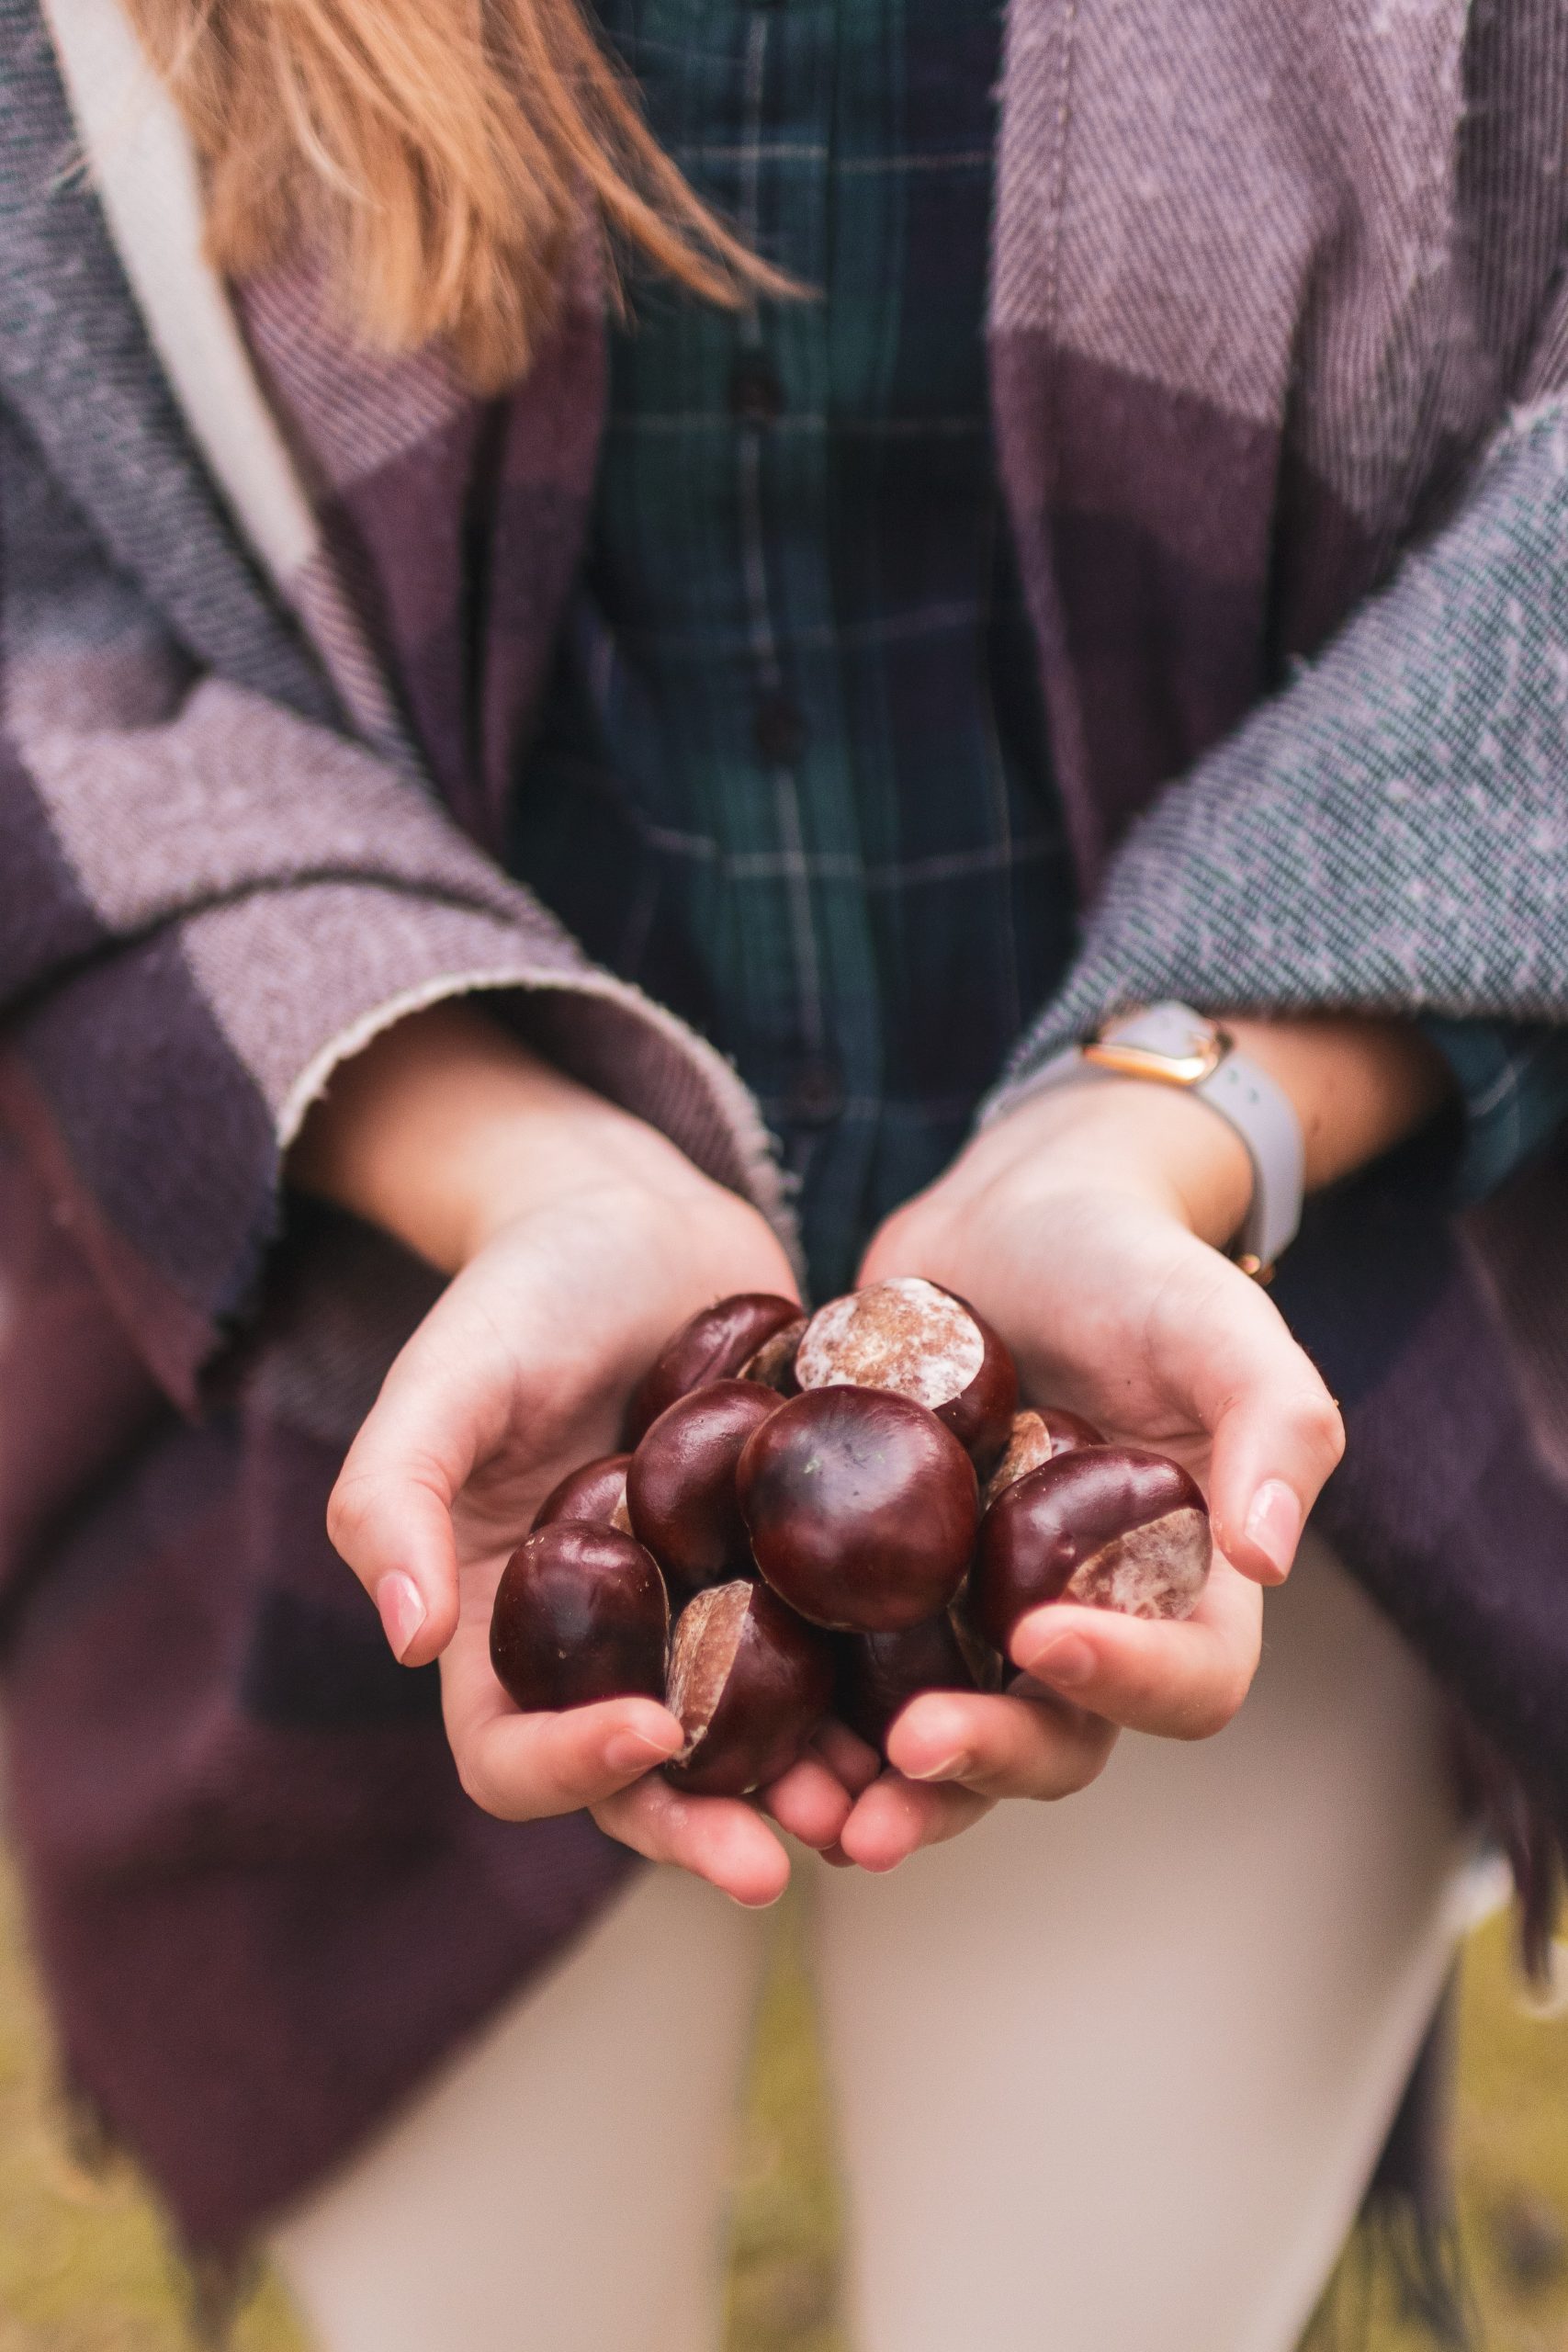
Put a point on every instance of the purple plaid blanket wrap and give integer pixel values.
(1279, 361)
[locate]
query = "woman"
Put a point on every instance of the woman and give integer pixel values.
(354, 616)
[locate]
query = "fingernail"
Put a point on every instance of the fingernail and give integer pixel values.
(1274, 1524)
(636, 1751)
(951, 1767)
(402, 1611)
(1065, 1663)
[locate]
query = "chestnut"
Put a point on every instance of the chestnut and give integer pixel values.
(880, 1673)
(1111, 1526)
(597, 1492)
(1036, 1439)
(681, 1485)
(773, 1362)
(713, 1344)
(580, 1613)
(861, 1508)
(749, 1682)
(920, 1341)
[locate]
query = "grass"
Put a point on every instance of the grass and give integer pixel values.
(83, 2267)
(1512, 2157)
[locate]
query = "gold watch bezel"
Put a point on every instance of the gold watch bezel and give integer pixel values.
(1165, 1069)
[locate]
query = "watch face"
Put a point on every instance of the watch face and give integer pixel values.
(1169, 1042)
(1173, 1029)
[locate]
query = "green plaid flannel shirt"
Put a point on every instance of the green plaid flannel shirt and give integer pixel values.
(794, 778)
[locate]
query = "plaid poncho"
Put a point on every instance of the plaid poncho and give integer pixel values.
(1273, 305)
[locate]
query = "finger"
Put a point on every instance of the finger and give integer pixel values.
(389, 1514)
(1276, 1432)
(810, 1802)
(896, 1818)
(848, 1758)
(836, 1858)
(395, 1531)
(1009, 1746)
(528, 1767)
(1181, 1680)
(721, 1839)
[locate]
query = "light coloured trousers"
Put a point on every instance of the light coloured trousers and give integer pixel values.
(1110, 2076)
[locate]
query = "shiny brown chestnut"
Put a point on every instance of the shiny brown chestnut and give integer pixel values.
(749, 1682)
(580, 1613)
(920, 1341)
(712, 1345)
(681, 1486)
(1111, 1526)
(596, 1492)
(861, 1508)
(1036, 1439)
(880, 1673)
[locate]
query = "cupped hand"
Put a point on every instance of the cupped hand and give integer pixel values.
(1082, 1226)
(519, 1372)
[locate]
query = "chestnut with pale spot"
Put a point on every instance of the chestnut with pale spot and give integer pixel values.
(880, 1673)
(596, 1492)
(681, 1486)
(1110, 1526)
(711, 1345)
(750, 1682)
(862, 1507)
(1034, 1439)
(912, 1338)
(580, 1613)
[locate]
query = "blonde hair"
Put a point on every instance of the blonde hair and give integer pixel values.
(444, 155)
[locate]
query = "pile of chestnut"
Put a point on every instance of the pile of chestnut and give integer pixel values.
(837, 1513)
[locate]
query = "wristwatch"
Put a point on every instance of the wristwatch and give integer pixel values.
(1172, 1046)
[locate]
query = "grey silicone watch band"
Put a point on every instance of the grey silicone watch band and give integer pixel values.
(1243, 1094)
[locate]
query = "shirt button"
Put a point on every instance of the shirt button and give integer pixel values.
(816, 1096)
(780, 730)
(756, 395)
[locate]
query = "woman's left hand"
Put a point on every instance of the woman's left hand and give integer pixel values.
(1082, 1226)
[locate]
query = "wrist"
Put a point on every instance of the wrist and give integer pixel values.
(579, 1146)
(1359, 1084)
(1122, 1136)
(1294, 1105)
(445, 1128)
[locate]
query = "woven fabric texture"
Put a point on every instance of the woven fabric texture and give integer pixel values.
(1277, 369)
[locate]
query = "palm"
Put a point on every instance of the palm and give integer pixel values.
(520, 1372)
(523, 1366)
(1122, 1319)
(1115, 1309)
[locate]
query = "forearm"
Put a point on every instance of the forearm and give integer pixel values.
(1357, 1086)
(445, 1125)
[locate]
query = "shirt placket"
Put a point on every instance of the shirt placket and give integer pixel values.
(825, 1100)
(721, 501)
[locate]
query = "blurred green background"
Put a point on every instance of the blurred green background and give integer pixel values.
(83, 2268)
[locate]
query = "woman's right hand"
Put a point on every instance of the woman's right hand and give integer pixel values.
(577, 1253)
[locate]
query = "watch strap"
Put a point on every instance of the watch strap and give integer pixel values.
(1191, 1052)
